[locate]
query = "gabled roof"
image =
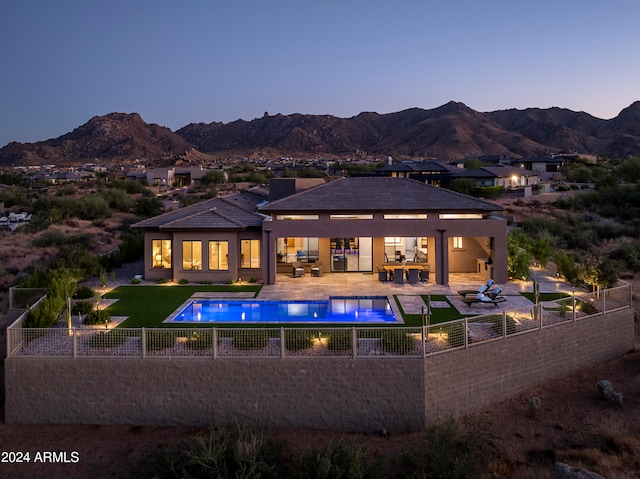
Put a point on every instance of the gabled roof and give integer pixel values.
(237, 211)
(374, 193)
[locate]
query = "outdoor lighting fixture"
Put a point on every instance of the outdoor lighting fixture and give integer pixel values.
(243, 316)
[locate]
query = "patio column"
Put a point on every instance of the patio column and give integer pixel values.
(442, 258)
(500, 257)
(269, 274)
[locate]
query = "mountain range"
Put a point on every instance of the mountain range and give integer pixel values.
(451, 131)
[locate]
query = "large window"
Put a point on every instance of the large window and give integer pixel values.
(297, 249)
(250, 253)
(161, 253)
(219, 255)
(192, 255)
(457, 242)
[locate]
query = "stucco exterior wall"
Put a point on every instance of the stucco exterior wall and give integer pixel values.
(340, 394)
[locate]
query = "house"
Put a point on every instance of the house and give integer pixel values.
(501, 175)
(428, 171)
(351, 225)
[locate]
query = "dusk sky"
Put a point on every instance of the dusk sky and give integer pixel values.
(178, 62)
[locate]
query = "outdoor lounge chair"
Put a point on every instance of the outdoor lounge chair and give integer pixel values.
(298, 269)
(483, 298)
(316, 269)
(484, 289)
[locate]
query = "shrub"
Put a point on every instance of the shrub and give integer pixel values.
(200, 340)
(82, 307)
(97, 316)
(46, 314)
(397, 341)
(296, 341)
(83, 292)
(135, 280)
(237, 452)
(338, 459)
(183, 281)
(339, 340)
(162, 281)
(450, 451)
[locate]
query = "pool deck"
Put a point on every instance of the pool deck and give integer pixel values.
(409, 295)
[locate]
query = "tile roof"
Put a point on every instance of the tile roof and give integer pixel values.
(377, 194)
(237, 211)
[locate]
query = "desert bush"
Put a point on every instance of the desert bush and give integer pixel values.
(200, 340)
(338, 459)
(296, 341)
(97, 316)
(84, 292)
(449, 451)
(46, 314)
(397, 341)
(339, 340)
(118, 199)
(82, 307)
(231, 452)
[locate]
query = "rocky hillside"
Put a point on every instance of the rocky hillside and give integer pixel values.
(116, 136)
(450, 131)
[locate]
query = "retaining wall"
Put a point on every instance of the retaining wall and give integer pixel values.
(341, 394)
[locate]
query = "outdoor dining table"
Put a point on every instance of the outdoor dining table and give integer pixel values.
(390, 268)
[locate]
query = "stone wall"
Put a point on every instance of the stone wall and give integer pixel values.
(342, 394)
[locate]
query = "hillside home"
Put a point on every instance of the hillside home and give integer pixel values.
(509, 177)
(350, 225)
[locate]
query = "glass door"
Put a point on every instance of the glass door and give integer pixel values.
(351, 254)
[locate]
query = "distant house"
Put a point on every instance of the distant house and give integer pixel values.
(501, 175)
(428, 171)
(351, 225)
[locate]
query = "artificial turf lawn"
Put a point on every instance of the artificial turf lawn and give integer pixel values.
(148, 306)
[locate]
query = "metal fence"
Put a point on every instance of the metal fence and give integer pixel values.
(311, 342)
(24, 298)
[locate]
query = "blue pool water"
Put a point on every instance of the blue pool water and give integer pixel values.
(356, 310)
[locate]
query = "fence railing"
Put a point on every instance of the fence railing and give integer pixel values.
(311, 342)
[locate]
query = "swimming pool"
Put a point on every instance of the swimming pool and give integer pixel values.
(338, 309)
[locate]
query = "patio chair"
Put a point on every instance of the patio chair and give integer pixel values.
(412, 275)
(424, 275)
(383, 277)
(298, 269)
(316, 269)
(398, 276)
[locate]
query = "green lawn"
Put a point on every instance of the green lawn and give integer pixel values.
(148, 306)
(438, 315)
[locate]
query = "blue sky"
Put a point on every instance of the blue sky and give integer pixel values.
(177, 62)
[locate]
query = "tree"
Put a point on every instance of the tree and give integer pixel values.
(462, 185)
(518, 256)
(541, 250)
(212, 177)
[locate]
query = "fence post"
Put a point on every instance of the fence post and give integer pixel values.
(74, 353)
(538, 309)
(466, 332)
(143, 342)
(354, 341)
(424, 341)
(604, 301)
(573, 301)
(504, 324)
(281, 342)
(214, 339)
